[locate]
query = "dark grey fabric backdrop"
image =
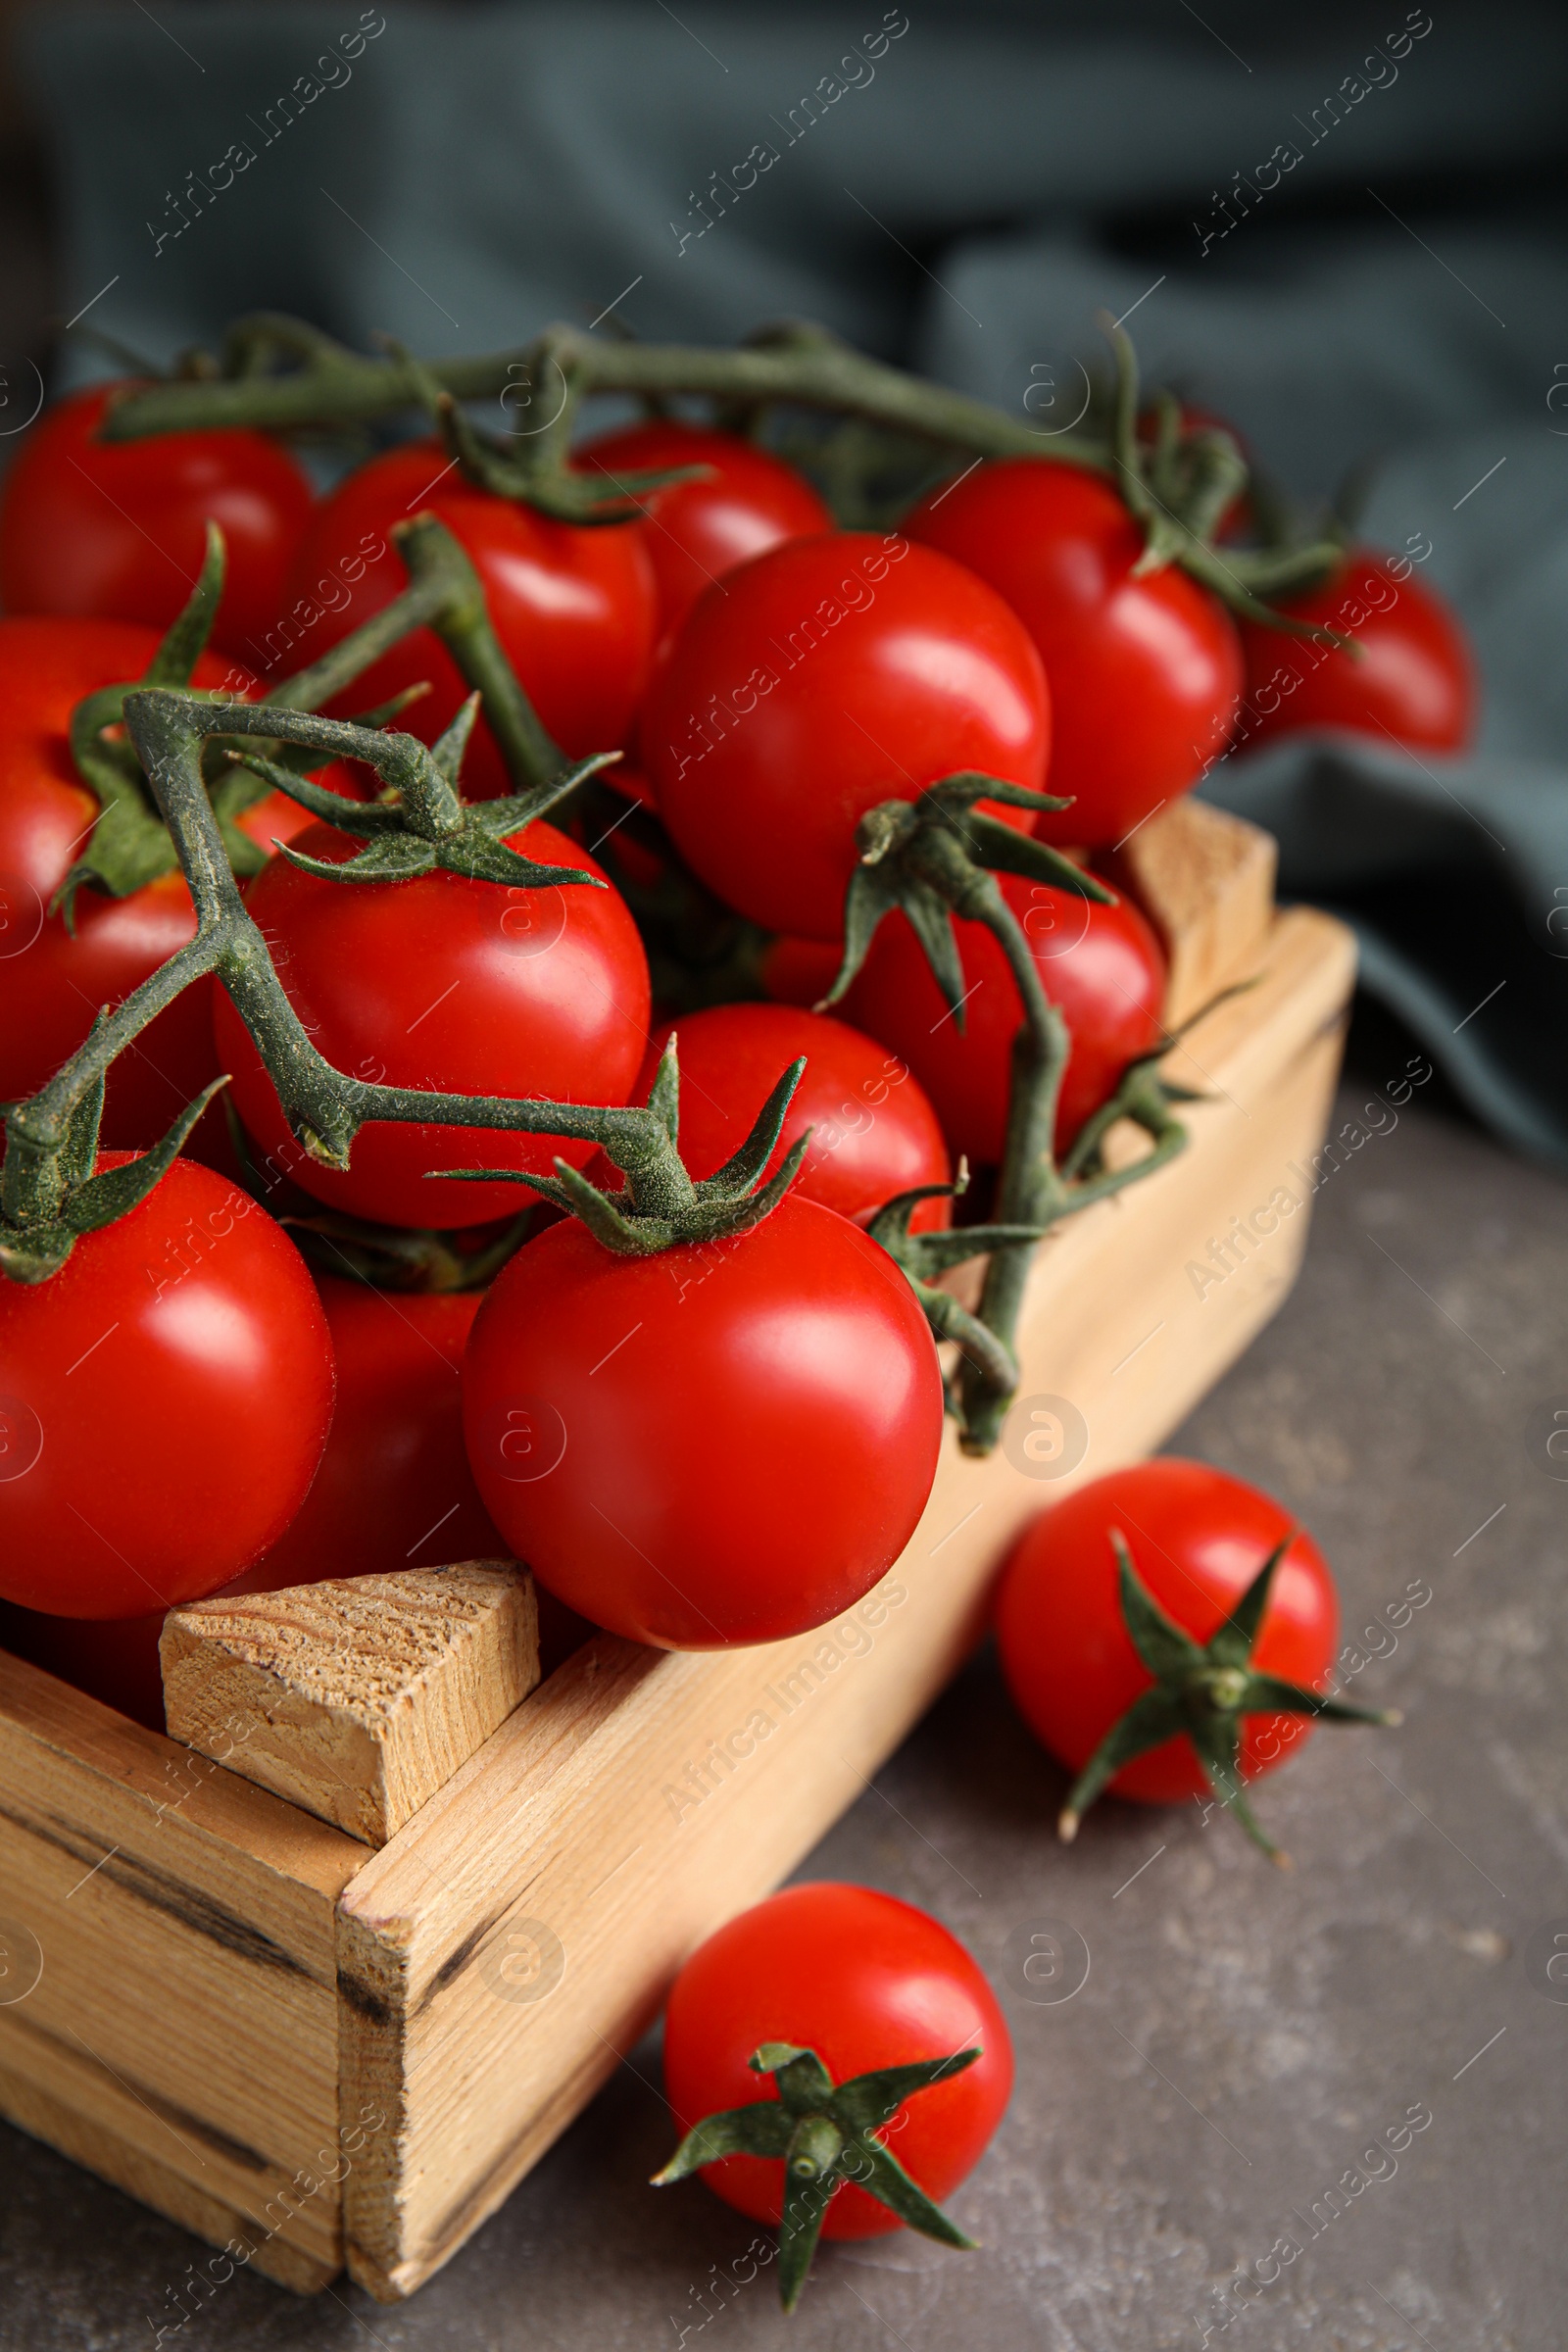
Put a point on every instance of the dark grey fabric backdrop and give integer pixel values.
(974, 184)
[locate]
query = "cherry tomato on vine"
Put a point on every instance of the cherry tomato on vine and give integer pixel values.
(454, 986)
(643, 1429)
(1102, 966)
(816, 681)
(52, 983)
(1413, 681)
(874, 1133)
(1145, 673)
(1198, 1538)
(865, 1981)
(574, 606)
(1237, 519)
(167, 1399)
(115, 530)
(699, 530)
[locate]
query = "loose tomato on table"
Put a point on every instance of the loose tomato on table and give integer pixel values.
(573, 605)
(867, 1984)
(55, 974)
(115, 530)
(166, 1395)
(444, 983)
(697, 531)
(1412, 679)
(874, 1133)
(643, 1430)
(1246, 1658)
(1101, 965)
(813, 683)
(1145, 671)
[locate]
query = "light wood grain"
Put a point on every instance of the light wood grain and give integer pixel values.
(1205, 880)
(517, 1934)
(361, 1695)
(181, 2039)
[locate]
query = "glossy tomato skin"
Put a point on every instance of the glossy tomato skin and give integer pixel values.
(1198, 1538)
(699, 530)
(642, 1430)
(867, 1982)
(394, 1489)
(1102, 966)
(1145, 674)
(873, 1132)
(115, 530)
(450, 985)
(167, 1399)
(811, 683)
(1415, 680)
(575, 609)
(51, 983)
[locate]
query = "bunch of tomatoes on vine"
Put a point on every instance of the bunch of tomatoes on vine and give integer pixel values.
(520, 973)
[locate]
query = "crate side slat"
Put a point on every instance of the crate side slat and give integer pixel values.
(186, 2010)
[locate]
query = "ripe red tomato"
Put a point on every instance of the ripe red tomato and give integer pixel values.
(115, 530)
(1102, 966)
(865, 1981)
(819, 679)
(1145, 673)
(643, 1429)
(167, 1401)
(874, 1133)
(394, 1489)
(1198, 1538)
(51, 983)
(574, 608)
(699, 530)
(1414, 679)
(456, 986)
(799, 972)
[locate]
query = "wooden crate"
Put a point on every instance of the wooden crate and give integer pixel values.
(321, 2055)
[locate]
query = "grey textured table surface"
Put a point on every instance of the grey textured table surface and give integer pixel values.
(1244, 2034)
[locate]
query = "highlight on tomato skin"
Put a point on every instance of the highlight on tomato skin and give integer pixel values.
(115, 530)
(867, 1982)
(643, 1429)
(200, 1394)
(1197, 1537)
(1411, 684)
(761, 777)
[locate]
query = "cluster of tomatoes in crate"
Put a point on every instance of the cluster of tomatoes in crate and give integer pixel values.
(597, 1130)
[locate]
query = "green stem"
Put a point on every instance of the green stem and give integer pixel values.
(803, 367)
(1029, 1189)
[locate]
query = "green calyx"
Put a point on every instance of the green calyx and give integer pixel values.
(533, 474)
(934, 858)
(39, 1234)
(826, 2135)
(422, 825)
(1201, 1690)
(661, 1207)
(925, 1257)
(131, 845)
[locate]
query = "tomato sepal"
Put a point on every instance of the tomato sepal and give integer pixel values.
(1201, 1690)
(33, 1248)
(824, 2133)
(428, 827)
(662, 1207)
